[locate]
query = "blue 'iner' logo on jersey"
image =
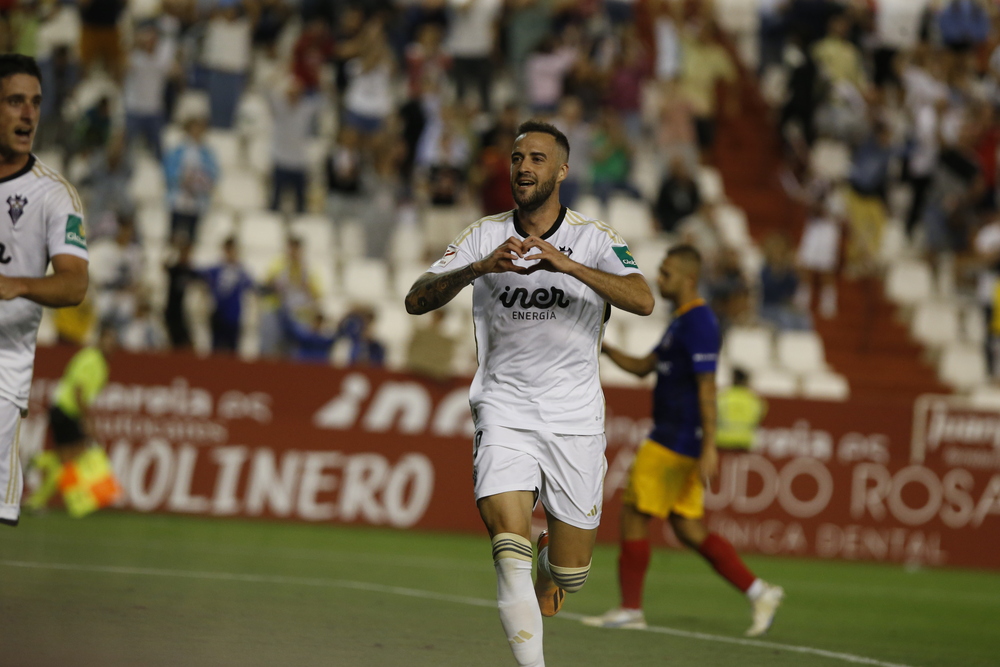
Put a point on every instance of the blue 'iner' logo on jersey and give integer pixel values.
(16, 204)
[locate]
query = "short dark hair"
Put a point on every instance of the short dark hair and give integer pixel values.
(686, 251)
(545, 128)
(15, 63)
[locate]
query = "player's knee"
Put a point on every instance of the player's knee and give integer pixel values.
(511, 545)
(570, 579)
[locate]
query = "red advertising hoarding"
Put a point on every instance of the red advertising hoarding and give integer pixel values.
(220, 437)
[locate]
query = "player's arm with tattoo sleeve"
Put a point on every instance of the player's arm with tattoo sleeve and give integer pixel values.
(433, 290)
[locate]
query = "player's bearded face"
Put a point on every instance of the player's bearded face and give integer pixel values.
(533, 197)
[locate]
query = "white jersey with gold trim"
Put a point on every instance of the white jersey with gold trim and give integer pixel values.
(44, 218)
(539, 335)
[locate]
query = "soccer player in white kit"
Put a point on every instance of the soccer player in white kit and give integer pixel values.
(44, 222)
(544, 277)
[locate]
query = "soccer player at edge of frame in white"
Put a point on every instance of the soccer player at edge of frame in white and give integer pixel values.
(44, 221)
(544, 278)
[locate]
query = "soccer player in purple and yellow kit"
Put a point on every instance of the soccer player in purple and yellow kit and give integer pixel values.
(679, 457)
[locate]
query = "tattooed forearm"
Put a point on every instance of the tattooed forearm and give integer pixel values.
(434, 290)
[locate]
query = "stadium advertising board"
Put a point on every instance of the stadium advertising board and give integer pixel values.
(219, 437)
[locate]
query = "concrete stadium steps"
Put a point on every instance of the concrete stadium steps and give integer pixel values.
(865, 342)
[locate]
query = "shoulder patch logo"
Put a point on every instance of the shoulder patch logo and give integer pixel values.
(75, 234)
(625, 256)
(448, 256)
(16, 204)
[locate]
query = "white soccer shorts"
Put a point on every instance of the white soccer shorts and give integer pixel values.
(11, 480)
(566, 470)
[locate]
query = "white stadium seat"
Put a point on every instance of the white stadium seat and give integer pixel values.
(830, 160)
(316, 232)
(152, 222)
(643, 335)
(731, 221)
(263, 230)
(589, 206)
(365, 280)
(986, 396)
(826, 386)
(147, 184)
(962, 366)
(775, 383)
(801, 352)
(909, 282)
(630, 217)
(935, 323)
(974, 324)
(404, 275)
(226, 146)
(407, 244)
(750, 348)
(241, 190)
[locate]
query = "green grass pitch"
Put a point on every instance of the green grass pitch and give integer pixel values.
(121, 589)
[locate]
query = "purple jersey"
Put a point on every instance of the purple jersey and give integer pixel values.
(688, 348)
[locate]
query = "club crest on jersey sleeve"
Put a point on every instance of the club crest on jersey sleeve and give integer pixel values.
(16, 204)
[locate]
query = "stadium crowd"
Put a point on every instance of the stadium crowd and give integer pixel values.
(255, 172)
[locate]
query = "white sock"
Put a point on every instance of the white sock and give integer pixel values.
(519, 612)
(756, 588)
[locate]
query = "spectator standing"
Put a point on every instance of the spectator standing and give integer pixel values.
(191, 171)
(865, 199)
(678, 197)
(612, 159)
(180, 276)
(149, 65)
(313, 50)
(819, 253)
(779, 283)
(107, 187)
(623, 93)
(290, 291)
(226, 57)
(706, 65)
(471, 41)
(100, 37)
(956, 188)
(117, 276)
(580, 133)
(343, 176)
(368, 97)
(544, 71)
(963, 25)
(295, 119)
(228, 282)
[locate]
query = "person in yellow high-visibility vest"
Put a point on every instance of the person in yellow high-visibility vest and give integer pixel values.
(740, 412)
(72, 429)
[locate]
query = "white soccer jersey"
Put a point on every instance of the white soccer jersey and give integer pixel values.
(44, 219)
(539, 335)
